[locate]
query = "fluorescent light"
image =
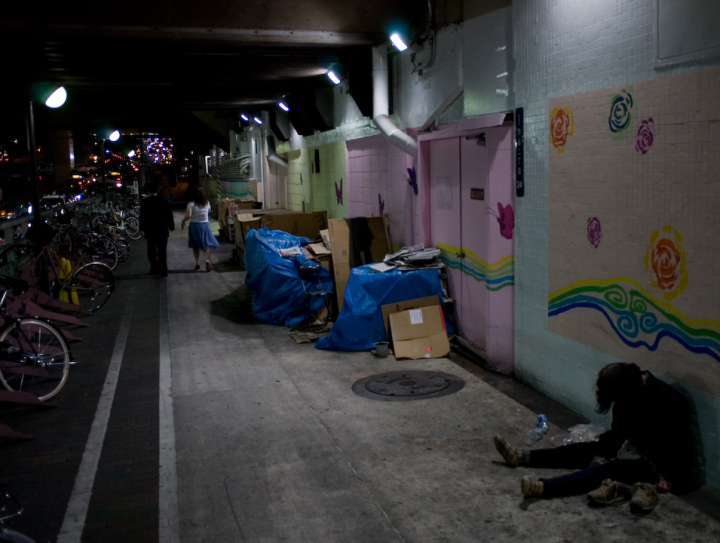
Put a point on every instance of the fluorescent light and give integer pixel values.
(283, 107)
(257, 120)
(57, 98)
(114, 136)
(397, 42)
(244, 117)
(333, 78)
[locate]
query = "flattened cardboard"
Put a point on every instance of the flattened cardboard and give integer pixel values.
(318, 249)
(419, 333)
(415, 303)
(340, 246)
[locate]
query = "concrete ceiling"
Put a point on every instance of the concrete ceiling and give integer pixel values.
(144, 62)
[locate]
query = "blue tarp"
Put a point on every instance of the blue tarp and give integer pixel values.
(279, 294)
(360, 322)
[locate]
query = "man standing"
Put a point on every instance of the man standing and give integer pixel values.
(156, 222)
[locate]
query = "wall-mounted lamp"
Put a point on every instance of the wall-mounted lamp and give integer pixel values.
(244, 117)
(283, 107)
(114, 136)
(131, 154)
(258, 120)
(333, 77)
(397, 42)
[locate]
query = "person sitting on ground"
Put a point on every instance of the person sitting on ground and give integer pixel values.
(650, 445)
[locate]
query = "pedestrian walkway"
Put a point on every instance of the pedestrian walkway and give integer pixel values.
(222, 429)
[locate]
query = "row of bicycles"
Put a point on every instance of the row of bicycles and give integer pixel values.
(61, 268)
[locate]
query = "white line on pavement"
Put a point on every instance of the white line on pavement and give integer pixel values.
(72, 526)
(169, 521)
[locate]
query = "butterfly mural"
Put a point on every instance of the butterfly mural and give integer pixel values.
(381, 203)
(505, 218)
(412, 180)
(339, 192)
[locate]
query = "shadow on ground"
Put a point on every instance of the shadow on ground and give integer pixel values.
(236, 307)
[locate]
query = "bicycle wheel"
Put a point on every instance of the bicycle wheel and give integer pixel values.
(132, 227)
(81, 223)
(93, 284)
(103, 250)
(123, 248)
(34, 358)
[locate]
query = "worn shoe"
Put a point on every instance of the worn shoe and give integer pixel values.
(208, 267)
(531, 488)
(197, 267)
(610, 492)
(645, 497)
(513, 456)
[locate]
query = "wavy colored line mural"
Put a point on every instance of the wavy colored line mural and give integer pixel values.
(638, 318)
(496, 276)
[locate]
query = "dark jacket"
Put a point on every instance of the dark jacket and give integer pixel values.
(156, 218)
(656, 421)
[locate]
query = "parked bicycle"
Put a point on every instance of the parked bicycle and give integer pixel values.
(34, 356)
(9, 509)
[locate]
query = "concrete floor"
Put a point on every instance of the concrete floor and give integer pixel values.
(262, 439)
(272, 445)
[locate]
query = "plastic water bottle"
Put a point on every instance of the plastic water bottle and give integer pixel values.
(540, 429)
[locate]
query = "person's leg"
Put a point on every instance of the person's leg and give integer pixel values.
(590, 478)
(162, 256)
(572, 456)
(152, 254)
(196, 253)
(208, 267)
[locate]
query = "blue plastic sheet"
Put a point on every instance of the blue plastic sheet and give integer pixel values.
(279, 294)
(360, 322)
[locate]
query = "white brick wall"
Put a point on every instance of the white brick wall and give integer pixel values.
(564, 47)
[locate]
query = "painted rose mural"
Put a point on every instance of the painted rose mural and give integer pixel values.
(562, 125)
(665, 261)
(594, 231)
(645, 136)
(621, 113)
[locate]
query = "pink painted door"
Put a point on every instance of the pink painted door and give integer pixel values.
(472, 308)
(445, 212)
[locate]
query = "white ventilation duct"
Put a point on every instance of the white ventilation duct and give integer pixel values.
(272, 154)
(381, 103)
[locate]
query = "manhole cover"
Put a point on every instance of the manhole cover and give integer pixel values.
(402, 386)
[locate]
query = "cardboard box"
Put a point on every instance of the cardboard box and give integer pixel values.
(415, 303)
(419, 333)
(296, 223)
(340, 247)
(226, 207)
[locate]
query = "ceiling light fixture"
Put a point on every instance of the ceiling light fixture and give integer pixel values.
(333, 77)
(244, 117)
(257, 120)
(283, 107)
(397, 42)
(57, 98)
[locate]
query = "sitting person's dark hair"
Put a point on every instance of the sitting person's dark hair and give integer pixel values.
(615, 381)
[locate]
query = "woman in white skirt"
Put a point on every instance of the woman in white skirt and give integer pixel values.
(200, 237)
